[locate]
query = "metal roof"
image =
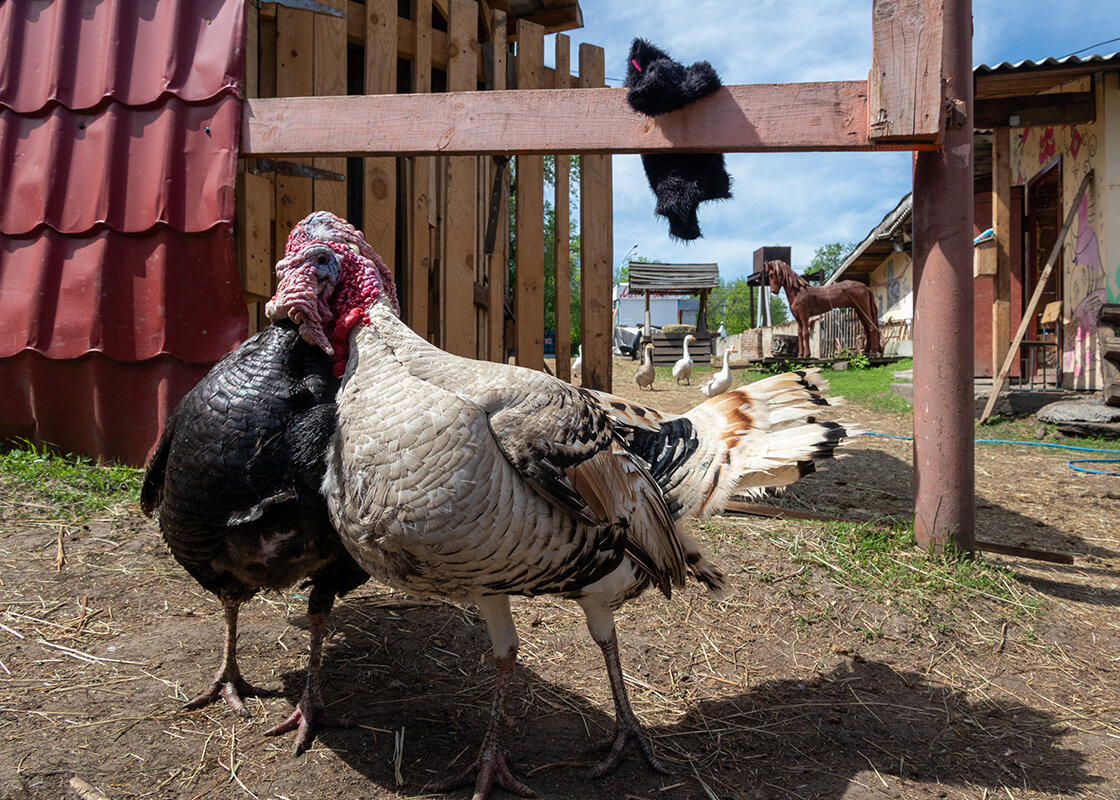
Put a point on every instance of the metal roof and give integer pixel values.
(672, 278)
(1066, 62)
(879, 244)
(118, 152)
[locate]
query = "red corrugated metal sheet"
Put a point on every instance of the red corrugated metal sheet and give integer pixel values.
(92, 405)
(129, 297)
(79, 52)
(118, 147)
(147, 161)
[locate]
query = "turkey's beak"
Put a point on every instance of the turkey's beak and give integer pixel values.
(306, 283)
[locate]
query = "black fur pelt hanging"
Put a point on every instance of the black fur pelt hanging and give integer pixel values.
(658, 85)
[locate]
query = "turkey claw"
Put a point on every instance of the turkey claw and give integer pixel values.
(231, 691)
(616, 748)
(485, 773)
(306, 719)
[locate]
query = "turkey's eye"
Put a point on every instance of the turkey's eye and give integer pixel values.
(322, 260)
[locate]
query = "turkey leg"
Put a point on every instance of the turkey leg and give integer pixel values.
(627, 729)
(228, 683)
(490, 767)
(310, 711)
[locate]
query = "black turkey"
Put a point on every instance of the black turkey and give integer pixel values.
(235, 485)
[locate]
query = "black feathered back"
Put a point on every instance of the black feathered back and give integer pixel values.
(235, 477)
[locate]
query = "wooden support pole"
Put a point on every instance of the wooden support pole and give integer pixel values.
(1001, 226)
(379, 193)
(1000, 380)
(561, 265)
(294, 78)
(498, 260)
(460, 333)
(417, 283)
(596, 243)
(330, 79)
(945, 486)
(528, 294)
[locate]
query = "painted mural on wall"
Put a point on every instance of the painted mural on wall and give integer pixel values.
(1088, 283)
(892, 282)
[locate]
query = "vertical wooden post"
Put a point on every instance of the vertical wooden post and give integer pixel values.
(330, 78)
(596, 244)
(562, 262)
(419, 230)
(944, 501)
(702, 313)
(457, 296)
(294, 78)
(528, 293)
(1001, 226)
(379, 191)
(498, 260)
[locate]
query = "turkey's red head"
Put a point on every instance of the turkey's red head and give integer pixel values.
(328, 277)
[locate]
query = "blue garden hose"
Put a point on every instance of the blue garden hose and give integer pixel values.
(1071, 464)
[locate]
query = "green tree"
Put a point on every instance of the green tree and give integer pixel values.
(829, 257)
(730, 303)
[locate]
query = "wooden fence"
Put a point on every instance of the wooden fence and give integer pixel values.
(442, 222)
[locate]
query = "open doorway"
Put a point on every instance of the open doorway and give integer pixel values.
(1040, 354)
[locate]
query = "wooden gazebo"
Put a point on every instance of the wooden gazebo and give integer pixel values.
(651, 278)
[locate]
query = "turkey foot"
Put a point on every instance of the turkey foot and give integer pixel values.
(231, 690)
(627, 728)
(489, 768)
(616, 747)
(307, 717)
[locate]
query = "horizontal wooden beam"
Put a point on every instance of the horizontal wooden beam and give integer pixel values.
(1039, 109)
(736, 119)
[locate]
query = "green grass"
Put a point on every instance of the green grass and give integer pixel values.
(885, 564)
(40, 483)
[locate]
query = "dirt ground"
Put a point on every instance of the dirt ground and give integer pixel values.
(798, 686)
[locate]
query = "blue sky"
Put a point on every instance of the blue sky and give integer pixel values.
(803, 200)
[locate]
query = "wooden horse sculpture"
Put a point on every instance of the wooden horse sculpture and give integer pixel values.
(807, 301)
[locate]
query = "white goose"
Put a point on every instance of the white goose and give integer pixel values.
(682, 370)
(577, 365)
(721, 381)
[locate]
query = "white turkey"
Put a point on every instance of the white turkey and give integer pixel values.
(234, 484)
(720, 381)
(577, 365)
(477, 481)
(682, 370)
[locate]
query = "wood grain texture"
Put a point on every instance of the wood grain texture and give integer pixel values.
(905, 78)
(736, 119)
(255, 196)
(419, 231)
(596, 245)
(561, 264)
(1001, 225)
(330, 79)
(294, 78)
(498, 261)
(460, 334)
(379, 188)
(528, 293)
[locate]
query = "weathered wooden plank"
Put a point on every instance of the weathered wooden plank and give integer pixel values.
(419, 232)
(562, 261)
(528, 292)
(294, 78)
(330, 79)
(498, 259)
(379, 180)
(739, 119)
(1001, 225)
(255, 196)
(905, 79)
(459, 317)
(596, 245)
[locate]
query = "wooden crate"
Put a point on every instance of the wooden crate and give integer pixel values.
(669, 347)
